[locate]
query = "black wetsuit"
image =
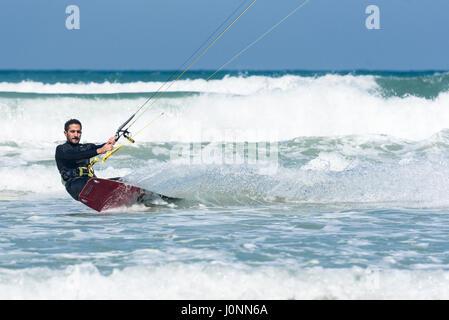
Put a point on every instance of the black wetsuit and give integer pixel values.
(69, 157)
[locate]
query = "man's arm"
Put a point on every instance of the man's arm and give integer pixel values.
(66, 153)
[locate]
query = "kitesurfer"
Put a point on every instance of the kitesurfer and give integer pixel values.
(73, 158)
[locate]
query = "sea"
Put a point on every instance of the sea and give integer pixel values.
(295, 185)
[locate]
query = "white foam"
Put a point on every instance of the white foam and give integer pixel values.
(327, 161)
(34, 178)
(228, 85)
(218, 281)
(42, 179)
(254, 108)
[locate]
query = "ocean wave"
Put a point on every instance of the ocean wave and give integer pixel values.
(201, 281)
(251, 109)
(387, 84)
(228, 85)
(358, 169)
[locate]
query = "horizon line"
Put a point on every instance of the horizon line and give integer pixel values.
(226, 70)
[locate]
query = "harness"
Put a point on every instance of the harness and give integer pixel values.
(80, 172)
(85, 171)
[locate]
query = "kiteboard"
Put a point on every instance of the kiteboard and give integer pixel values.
(103, 194)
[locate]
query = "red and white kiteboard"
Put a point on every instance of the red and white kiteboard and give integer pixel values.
(102, 194)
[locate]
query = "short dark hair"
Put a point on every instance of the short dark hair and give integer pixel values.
(71, 121)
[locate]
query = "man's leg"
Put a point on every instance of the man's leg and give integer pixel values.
(75, 186)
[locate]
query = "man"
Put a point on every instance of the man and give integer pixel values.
(73, 158)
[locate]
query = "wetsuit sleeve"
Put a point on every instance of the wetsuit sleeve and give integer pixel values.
(70, 154)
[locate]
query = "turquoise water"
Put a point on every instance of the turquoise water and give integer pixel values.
(297, 185)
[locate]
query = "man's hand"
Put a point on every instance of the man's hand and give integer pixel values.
(107, 147)
(111, 140)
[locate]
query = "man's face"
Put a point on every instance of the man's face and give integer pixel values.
(73, 133)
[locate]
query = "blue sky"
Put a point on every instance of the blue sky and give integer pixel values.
(161, 34)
